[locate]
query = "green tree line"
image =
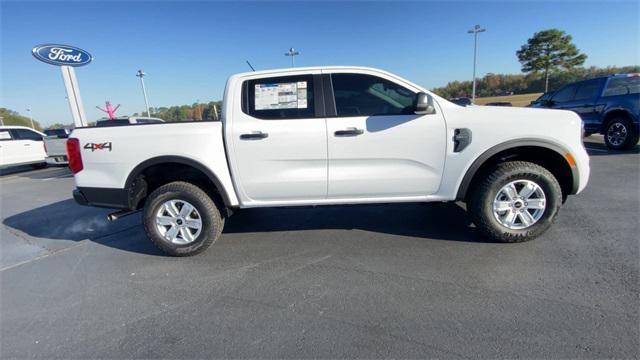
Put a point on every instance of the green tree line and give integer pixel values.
(505, 84)
(196, 111)
(10, 117)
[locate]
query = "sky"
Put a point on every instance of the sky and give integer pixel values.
(189, 48)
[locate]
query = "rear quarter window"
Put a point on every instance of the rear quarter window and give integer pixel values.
(623, 86)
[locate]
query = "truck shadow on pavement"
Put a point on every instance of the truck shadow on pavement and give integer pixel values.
(436, 221)
(66, 221)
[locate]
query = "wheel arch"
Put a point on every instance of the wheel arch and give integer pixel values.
(550, 153)
(614, 113)
(137, 190)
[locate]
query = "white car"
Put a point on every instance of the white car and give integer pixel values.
(333, 135)
(21, 145)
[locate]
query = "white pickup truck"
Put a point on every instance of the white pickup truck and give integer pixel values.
(332, 135)
(55, 144)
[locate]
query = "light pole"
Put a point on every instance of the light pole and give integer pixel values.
(30, 118)
(293, 53)
(476, 29)
(141, 74)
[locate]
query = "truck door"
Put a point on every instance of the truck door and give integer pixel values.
(378, 147)
(30, 145)
(9, 153)
(580, 98)
(584, 102)
(279, 140)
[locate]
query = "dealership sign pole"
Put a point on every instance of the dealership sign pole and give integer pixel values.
(67, 58)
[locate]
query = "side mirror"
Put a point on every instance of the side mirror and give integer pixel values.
(424, 105)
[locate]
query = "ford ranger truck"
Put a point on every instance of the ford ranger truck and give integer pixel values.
(327, 136)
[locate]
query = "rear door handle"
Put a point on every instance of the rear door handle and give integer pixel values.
(256, 135)
(349, 132)
(27, 144)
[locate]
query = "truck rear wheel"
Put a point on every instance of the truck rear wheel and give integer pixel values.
(516, 201)
(182, 219)
(620, 134)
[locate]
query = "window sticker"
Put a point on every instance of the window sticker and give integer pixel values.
(281, 96)
(4, 135)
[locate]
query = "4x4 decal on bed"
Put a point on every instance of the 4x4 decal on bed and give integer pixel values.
(101, 146)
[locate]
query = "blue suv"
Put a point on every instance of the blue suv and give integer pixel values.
(607, 105)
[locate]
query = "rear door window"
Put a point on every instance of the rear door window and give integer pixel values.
(285, 97)
(587, 90)
(24, 134)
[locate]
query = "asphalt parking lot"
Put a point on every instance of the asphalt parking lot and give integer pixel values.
(402, 281)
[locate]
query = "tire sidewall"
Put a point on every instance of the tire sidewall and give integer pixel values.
(553, 201)
(208, 218)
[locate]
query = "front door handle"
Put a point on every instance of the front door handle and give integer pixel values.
(27, 144)
(349, 132)
(256, 135)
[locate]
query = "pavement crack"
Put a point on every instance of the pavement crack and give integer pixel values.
(49, 253)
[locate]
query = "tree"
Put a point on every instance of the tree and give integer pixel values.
(547, 51)
(10, 117)
(499, 84)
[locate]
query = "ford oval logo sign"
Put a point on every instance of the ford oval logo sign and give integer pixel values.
(61, 55)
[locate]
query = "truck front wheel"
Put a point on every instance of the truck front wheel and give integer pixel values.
(516, 201)
(181, 219)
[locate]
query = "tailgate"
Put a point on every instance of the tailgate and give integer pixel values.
(55, 146)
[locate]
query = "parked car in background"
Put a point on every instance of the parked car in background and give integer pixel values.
(60, 132)
(55, 144)
(462, 101)
(499, 103)
(608, 105)
(368, 137)
(128, 120)
(21, 145)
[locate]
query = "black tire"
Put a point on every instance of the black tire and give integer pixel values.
(210, 216)
(484, 193)
(618, 125)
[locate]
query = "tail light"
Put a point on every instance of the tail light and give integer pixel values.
(74, 156)
(44, 144)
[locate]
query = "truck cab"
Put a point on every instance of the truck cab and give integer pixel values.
(340, 128)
